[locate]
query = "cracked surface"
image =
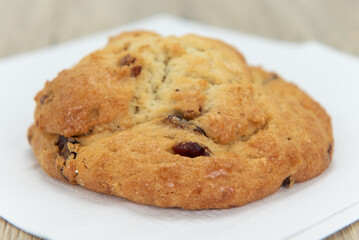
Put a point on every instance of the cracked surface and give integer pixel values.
(114, 123)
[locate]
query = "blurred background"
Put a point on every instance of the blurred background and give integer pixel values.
(28, 25)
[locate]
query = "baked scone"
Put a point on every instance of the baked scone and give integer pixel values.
(178, 122)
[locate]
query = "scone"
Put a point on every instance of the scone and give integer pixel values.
(178, 122)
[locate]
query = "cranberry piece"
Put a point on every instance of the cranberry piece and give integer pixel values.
(135, 71)
(64, 151)
(127, 60)
(190, 149)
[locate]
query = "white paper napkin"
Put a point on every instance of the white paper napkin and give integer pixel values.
(48, 208)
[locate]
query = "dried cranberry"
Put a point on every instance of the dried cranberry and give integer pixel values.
(286, 181)
(127, 60)
(64, 151)
(183, 123)
(190, 149)
(135, 71)
(43, 98)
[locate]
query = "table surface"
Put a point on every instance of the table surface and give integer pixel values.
(28, 25)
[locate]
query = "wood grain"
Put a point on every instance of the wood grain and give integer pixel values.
(28, 25)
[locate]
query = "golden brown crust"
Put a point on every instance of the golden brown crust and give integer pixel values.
(125, 120)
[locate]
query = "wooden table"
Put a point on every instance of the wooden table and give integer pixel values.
(26, 25)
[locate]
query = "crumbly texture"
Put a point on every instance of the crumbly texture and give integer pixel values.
(178, 122)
